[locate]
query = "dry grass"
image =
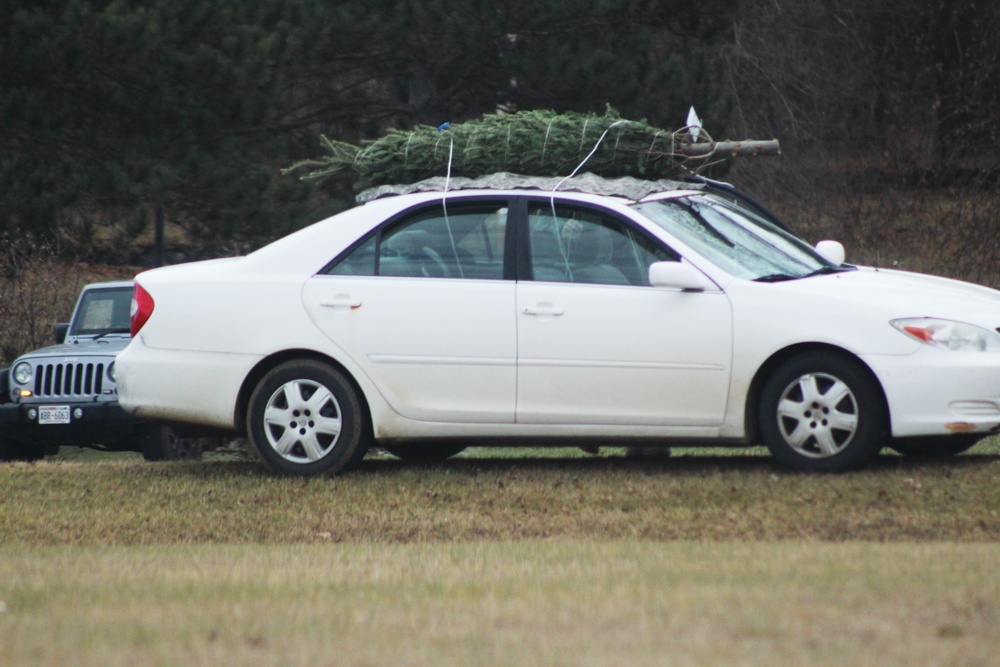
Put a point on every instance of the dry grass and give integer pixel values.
(699, 559)
(692, 497)
(534, 602)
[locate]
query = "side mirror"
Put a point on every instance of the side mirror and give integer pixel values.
(60, 332)
(677, 275)
(832, 250)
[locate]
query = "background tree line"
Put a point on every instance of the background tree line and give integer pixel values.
(116, 112)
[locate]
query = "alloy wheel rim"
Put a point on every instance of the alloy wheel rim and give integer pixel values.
(818, 415)
(302, 421)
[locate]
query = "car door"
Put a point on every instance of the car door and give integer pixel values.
(598, 345)
(423, 308)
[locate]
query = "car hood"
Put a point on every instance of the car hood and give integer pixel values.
(905, 294)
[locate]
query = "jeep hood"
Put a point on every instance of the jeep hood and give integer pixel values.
(108, 346)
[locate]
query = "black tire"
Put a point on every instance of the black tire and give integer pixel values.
(426, 453)
(305, 418)
(936, 447)
(5, 385)
(822, 412)
(159, 442)
(11, 450)
(359, 454)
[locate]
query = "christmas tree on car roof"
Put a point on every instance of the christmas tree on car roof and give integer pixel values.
(532, 143)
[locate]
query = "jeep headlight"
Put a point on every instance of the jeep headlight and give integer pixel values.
(949, 335)
(23, 373)
(111, 371)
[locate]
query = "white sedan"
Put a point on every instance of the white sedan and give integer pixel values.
(430, 321)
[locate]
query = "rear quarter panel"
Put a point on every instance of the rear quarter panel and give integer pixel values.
(214, 321)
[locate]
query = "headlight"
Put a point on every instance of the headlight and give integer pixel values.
(948, 335)
(23, 373)
(111, 371)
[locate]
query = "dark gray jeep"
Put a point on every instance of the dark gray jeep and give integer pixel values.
(66, 394)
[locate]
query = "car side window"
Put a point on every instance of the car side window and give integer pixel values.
(457, 241)
(578, 245)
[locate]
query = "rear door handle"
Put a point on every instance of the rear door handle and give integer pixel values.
(342, 301)
(544, 308)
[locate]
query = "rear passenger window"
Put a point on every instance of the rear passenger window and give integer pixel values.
(460, 241)
(359, 262)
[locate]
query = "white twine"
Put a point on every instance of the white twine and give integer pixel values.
(506, 153)
(589, 155)
(552, 195)
(545, 142)
(444, 208)
(406, 152)
(583, 134)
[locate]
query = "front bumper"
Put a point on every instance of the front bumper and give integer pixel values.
(937, 392)
(104, 423)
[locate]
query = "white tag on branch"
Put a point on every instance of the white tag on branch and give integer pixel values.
(693, 124)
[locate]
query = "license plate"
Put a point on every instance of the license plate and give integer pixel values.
(53, 414)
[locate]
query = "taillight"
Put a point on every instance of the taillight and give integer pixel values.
(142, 308)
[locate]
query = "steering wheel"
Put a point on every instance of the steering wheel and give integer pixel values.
(439, 269)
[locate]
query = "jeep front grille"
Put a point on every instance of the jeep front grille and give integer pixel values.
(69, 380)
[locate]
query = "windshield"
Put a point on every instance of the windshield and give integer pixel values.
(736, 239)
(103, 311)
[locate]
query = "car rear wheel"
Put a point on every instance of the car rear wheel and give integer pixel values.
(426, 453)
(935, 447)
(159, 442)
(305, 418)
(822, 412)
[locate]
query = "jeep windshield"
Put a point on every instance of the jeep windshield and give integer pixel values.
(102, 312)
(736, 239)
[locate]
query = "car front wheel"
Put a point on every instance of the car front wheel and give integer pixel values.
(822, 412)
(305, 418)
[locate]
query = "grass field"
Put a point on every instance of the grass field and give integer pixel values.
(529, 602)
(515, 558)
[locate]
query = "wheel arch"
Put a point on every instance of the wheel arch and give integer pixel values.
(780, 357)
(264, 366)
